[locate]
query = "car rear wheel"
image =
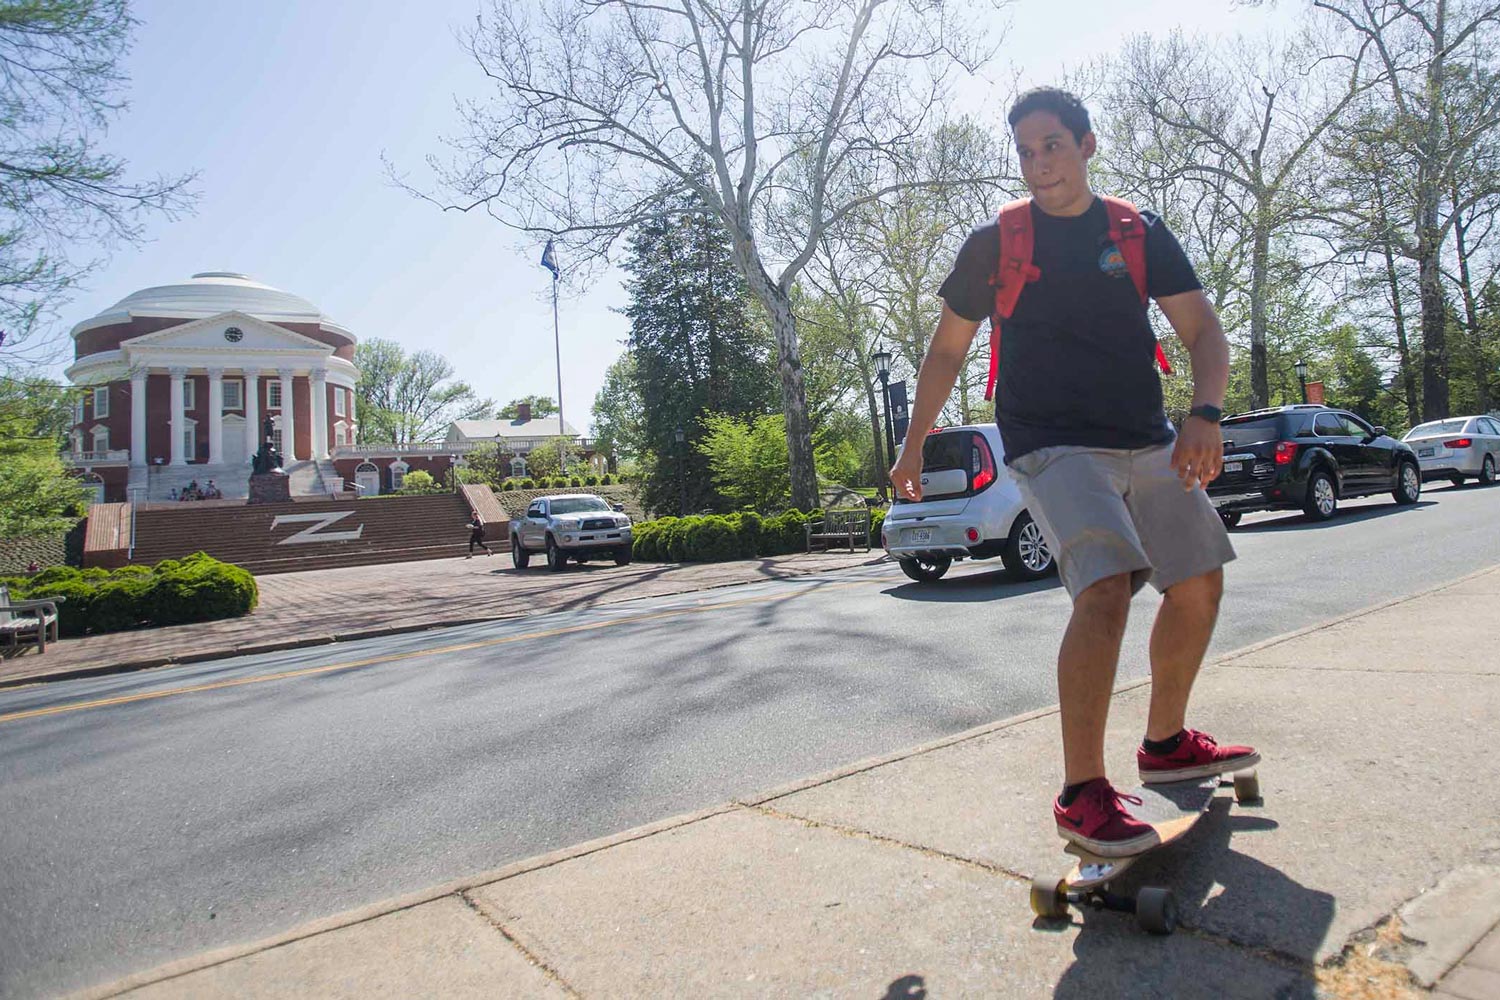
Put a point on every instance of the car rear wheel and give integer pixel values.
(1487, 471)
(1026, 555)
(1408, 484)
(519, 557)
(557, 559)
(925, 570)
(1230, 517)
(1322, 499)
(1456, 480)
(623, 555)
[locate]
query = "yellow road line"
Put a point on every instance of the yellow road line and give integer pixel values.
(126, 699)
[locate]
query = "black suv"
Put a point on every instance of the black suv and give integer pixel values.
(1308, 457)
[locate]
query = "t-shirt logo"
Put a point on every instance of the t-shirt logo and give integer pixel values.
(1112, 262)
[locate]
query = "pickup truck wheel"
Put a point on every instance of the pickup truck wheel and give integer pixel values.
(1408, 484)
(557, 559)
(519, 557)
(1026, 555)
(925, 570)
(623, 555)
(1322, 499)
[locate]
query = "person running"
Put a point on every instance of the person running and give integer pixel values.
(476, 535)
(1115, 489)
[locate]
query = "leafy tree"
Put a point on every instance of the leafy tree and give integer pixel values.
(748, 460)
(61, 84)
(37, 493)
(546, 459)
(409, 398)
(618, 424)
(541, 406)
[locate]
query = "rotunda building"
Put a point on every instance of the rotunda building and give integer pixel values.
(180, 378)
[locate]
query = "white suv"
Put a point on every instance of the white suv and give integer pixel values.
(970, 509)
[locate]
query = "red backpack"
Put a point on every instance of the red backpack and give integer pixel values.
(1016, 270)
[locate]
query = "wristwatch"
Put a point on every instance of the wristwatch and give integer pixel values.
(1208, 412)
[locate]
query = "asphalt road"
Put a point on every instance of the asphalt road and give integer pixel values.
(141, 821)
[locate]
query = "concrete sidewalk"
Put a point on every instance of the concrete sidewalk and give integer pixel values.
(1371, 869)
(358, 602)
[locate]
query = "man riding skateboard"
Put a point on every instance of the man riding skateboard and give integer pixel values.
(1117, 492)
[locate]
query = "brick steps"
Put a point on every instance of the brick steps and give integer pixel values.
(390, 529)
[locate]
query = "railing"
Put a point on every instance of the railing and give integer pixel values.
(97, 457)
(509, 446)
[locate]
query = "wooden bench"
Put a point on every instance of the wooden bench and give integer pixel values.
(28, 620)
(840, 527)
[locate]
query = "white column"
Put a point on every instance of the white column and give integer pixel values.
(288, 422)
(216, 416)
(138, 418)
(349, 413)
(252, 412)
(320, 414)
(178, 422)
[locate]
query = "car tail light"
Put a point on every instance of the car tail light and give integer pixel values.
(1458, 443)
(1286, 452)
(982, 464)
(972, 535)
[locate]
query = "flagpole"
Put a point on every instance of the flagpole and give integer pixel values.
(562, 451)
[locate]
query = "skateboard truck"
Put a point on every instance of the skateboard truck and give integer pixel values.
(1172, 809)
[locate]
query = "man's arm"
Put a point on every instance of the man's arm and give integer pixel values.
(1199, 453)
(945, 359)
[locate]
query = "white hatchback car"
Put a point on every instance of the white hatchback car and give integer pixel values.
(970, 509)
(1457, 447)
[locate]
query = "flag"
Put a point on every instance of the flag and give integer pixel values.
(549, 261)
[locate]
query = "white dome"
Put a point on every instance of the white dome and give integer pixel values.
(208, 294)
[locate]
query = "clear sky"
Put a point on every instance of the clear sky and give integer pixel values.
(285, 108)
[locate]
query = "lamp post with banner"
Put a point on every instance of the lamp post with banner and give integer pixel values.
(1301, 367)
(882, 360)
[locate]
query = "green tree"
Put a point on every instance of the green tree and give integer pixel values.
(61, 84)
(618, 427)
(696, 348)
(37, 493)
(410, 398)
(748, 460)
(541, 406)
(546, 459)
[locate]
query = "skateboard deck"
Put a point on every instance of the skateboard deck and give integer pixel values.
(1171, 809)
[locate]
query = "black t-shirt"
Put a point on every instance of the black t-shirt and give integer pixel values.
(1077, 356)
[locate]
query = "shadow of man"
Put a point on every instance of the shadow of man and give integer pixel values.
(1244, 907)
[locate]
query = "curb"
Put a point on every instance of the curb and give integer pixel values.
(227, 652)
(460, 886)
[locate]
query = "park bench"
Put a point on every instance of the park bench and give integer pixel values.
(840, 527)
(27, 620)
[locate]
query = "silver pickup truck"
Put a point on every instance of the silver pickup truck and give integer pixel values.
(577, 525)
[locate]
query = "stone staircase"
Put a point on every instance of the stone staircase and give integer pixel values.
(155, 485)
(310, 534)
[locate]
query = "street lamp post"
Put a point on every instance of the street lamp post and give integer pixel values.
(681, 437)
(882, 359)
(1301, 367)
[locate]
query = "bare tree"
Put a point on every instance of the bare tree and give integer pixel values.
(599, 104)
(1246, 123)
(1416, 43)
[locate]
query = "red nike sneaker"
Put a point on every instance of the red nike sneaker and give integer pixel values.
(1098, 822)
(1196, 756)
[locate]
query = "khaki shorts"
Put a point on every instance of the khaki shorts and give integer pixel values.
(1108, 511)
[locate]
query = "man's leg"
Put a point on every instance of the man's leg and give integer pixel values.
(1086, 674)
(1180, 637)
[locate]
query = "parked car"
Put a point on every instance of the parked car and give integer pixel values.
(1457, 448)
(579, 526)
(970, 509)
(1308, 457)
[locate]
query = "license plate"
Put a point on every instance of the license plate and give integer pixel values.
(1426, 452)
(918, 536)
(1233, 466)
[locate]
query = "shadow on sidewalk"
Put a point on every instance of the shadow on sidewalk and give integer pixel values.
(1244, 907)
(1295, 521)
(974, 587)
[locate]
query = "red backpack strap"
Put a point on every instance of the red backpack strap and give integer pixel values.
(1014, 270)
(1127, 230)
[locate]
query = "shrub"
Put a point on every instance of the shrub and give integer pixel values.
(17, 586)
(54, 575)
(575, 482)
(748, 527)
(202, 590)
(121, 603)
(712, 538)
(74, 613)
(419, 482)
(528, 484)
(606, 480)
(94, 575)
(591, 480)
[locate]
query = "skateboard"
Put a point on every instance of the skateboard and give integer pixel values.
(1172, 809)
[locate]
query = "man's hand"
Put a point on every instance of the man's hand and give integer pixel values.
(1199, 452)
(906, 474)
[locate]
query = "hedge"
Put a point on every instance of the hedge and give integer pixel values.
(198, 588)
(721, 537)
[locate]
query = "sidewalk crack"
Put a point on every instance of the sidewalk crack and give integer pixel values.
(531, 956)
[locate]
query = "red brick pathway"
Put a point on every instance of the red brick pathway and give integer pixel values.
(323, 604)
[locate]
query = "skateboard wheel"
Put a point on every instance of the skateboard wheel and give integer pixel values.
(1156, 910)
(1048, 897)
(1246, 786)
